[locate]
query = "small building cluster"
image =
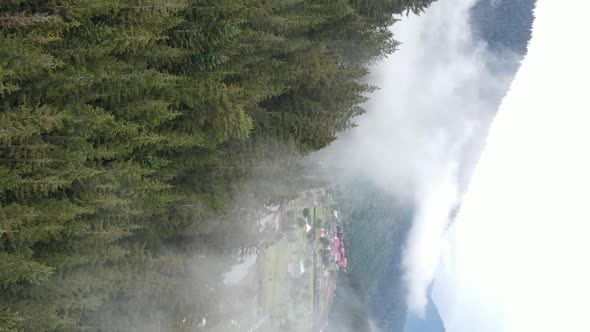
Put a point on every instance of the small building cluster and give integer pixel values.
(339, 252)
(336, 247)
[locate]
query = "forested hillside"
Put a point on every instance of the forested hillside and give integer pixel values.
(503, 24)
(376, 224)
(137, 133)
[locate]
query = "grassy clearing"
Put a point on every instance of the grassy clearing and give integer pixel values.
(276, 258)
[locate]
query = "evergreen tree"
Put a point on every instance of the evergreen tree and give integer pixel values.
(130, 128)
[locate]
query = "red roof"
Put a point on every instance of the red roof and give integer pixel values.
(336, 243)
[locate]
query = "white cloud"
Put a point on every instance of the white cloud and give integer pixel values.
(517, 256)
(425, 126)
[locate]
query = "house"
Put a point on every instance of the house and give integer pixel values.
(335, 244)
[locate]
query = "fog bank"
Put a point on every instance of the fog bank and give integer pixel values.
(424, 127)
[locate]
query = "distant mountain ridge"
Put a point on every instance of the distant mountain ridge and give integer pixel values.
(431, 322)
(503, 24)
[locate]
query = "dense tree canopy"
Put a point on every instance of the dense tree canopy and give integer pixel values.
(127, 125)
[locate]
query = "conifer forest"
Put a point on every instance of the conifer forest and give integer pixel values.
(138, 136)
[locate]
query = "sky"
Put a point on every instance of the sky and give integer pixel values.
(516, 259)
(425, 127)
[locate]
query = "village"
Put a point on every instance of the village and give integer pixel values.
(297, 274)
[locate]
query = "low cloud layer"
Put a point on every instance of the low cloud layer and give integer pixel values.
(424, 127)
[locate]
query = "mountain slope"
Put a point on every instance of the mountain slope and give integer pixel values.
(503, 24)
